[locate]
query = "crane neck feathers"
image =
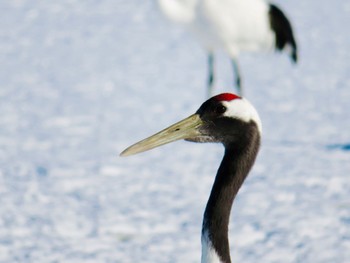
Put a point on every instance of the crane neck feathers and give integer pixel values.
(234, 168)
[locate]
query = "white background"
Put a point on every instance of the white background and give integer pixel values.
(82, 80)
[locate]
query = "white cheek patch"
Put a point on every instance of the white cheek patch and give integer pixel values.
(242, 109)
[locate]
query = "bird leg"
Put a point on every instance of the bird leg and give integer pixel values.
(236, 72)
(210, 74)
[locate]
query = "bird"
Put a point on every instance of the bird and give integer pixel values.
(233, 26)
(233, 121)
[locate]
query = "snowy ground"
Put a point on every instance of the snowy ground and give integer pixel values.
(81, 80)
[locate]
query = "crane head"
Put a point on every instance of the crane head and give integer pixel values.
(225, 118)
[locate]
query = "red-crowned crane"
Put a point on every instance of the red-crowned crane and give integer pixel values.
(233, 26)
(232, 121)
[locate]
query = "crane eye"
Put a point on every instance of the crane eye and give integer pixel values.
(220, 109)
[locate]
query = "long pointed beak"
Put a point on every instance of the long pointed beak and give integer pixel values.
(185, 129)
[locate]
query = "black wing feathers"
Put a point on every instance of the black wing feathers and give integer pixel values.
(283, 31)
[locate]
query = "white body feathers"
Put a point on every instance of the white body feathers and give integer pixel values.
(230, 25)
(209, 255)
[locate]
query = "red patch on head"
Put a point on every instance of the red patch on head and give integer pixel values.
(226, 97)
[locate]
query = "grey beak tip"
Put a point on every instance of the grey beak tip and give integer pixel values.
(123, 154)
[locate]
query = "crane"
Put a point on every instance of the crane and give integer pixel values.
(233, 26)
(234, 122)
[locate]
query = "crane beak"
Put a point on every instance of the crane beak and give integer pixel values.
(186, 129)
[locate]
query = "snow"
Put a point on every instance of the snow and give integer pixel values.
(82, 80)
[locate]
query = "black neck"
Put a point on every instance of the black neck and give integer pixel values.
(232, 172)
